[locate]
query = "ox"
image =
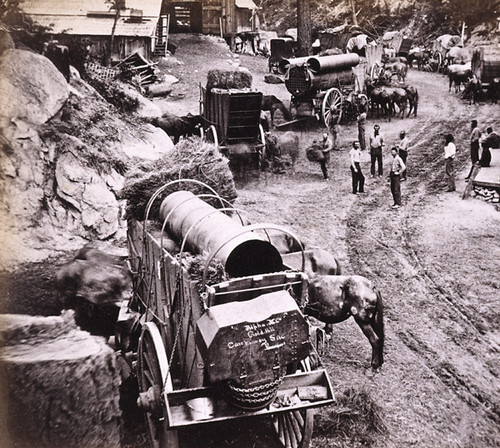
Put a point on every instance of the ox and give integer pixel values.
(335, 298)
(178, 127)
(458, 74)
(94, 283)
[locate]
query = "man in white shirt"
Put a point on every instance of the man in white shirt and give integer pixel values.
(376, 145)
(403, 146)
(449, 158)
(358, 179)
(397, 168)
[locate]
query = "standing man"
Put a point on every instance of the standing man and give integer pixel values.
(358, 179)
(397, 168)
(361, 127)
(326, 147)
(475, 135)
(335, 128)
(376, 145)
(404, 147)
(492, 140)
(449, 159)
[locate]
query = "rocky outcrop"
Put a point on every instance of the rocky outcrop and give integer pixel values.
(63, 155)
(31, 87)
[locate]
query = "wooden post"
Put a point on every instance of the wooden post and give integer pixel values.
(468, 188)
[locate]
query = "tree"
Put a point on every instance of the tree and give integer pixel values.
(118, 6)
(303, 27)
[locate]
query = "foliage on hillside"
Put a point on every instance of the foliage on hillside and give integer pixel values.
(422, 20)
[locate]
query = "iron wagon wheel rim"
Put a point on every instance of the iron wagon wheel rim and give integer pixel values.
(362, 100)
(374, 71)
(294, 428)
(262, 137)
(332, 100)
(211, 135)
(152, 367)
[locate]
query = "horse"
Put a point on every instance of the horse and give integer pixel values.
(272, 104)
(380, 99)
(422, 56)
(412, 94)
(335, 298)
(458, 74)
(396, 68)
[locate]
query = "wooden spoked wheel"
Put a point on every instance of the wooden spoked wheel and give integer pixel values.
(439, 60)
(211, 135)
(154, 381)
(375, 71)
(332, 105)
(294, 428)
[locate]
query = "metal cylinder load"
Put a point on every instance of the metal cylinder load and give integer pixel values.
(320, 73)
(207, 229)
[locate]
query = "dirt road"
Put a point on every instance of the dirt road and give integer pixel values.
(435, 261)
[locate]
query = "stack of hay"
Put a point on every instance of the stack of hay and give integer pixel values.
(229, 79)
(191, 159)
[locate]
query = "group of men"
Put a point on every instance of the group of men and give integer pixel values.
(376, 142)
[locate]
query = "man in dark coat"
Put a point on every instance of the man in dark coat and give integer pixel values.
(492, 140)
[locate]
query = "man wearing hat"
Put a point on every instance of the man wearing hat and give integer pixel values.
(403, 148)
(376, 145)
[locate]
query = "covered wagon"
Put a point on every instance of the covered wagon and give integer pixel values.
(485, 67)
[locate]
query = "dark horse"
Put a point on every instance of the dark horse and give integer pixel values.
(272, 104)
(335, 298)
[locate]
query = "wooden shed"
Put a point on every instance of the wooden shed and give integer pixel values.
(93, 21)
(220, 17)
(485, 63)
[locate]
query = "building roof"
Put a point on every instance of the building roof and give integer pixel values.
(94, 17)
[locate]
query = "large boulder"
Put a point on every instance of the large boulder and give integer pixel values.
(31, 87)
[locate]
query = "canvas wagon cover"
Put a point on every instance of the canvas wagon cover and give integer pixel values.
(445, 42)
(485, 63)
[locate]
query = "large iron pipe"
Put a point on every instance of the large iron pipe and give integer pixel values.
(285, 64)
(300, 81)
(206, 229)
(338, 62)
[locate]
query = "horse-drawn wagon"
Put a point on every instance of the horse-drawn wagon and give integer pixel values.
(325, 87)
(485, 68)
(440, 48)
(231, 120)
(222, 334)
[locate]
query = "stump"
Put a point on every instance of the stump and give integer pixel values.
(60, 384)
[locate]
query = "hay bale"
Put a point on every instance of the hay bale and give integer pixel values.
(191, 158)
(240, 78)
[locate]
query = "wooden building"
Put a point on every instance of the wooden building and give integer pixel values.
(137, 27)
(220, 17)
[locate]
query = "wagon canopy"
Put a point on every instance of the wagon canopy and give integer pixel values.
(444, 42)
(485, 63)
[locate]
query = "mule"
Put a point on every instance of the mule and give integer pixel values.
(272, 104)
(335, 298)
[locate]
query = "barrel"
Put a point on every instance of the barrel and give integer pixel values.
(334, 63)
(242, 253)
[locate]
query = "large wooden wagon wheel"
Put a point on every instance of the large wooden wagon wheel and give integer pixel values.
(438, 57)
(154, 382)
(332, 105)
(294, 428)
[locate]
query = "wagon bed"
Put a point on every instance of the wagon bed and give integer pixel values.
(178, 314)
